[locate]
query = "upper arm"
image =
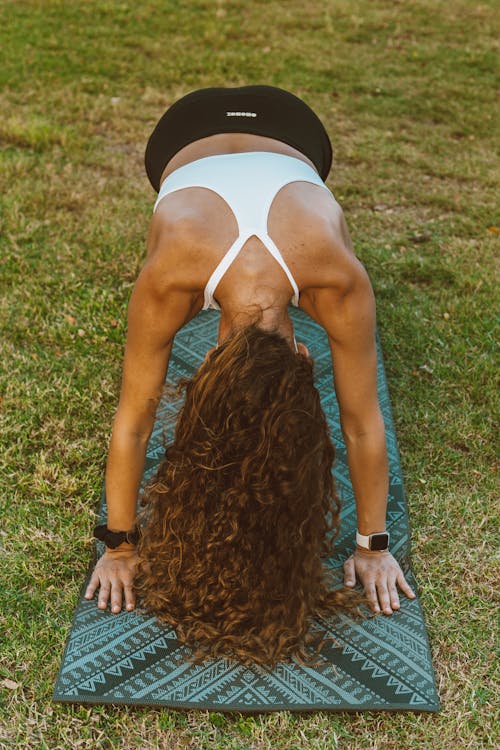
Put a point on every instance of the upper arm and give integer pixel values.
(157, 310)
(347, 313)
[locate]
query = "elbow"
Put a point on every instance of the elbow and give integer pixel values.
(141, 436)
(356, 428)
(135, 430)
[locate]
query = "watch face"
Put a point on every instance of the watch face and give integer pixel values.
(379, 541)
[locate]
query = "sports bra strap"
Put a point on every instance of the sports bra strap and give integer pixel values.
(248, 182)
(221, 269)
(273, 249)
(231, 256)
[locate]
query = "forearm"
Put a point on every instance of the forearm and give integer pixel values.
(368, 469)
(124, 471)
(378, 571)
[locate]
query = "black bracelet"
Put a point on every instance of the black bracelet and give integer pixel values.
(113, 539)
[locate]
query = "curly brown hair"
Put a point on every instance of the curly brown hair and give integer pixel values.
(243, 507)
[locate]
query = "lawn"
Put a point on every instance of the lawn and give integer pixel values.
(406, 89)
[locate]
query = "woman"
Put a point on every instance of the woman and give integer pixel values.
(244, 222)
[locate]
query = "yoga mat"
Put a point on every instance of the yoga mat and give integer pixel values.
(381, 663)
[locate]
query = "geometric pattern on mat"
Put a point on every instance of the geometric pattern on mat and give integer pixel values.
(380, 663)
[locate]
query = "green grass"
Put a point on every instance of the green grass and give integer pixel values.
(407, 92)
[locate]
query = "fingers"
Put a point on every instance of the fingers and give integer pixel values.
(384, 598)
(371, 595)
(349, 572)
(114, 577)
(380, 576)
(116, 597)
(129, 597)
(104, 589)
(104, 592)
(393, 596)
(388, 594)
(93, 585)
(405, 586)
(114, 592)
(109, 590)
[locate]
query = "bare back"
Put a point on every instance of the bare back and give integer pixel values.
(193, 228)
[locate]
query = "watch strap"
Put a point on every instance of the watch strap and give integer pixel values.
(378, 541)
(113, 539)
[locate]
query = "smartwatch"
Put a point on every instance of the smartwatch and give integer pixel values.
(113, 539)
(374, 542)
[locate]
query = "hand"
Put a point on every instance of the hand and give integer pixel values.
(379, 573)
(114, 576)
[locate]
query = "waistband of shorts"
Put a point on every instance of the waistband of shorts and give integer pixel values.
(259, 110)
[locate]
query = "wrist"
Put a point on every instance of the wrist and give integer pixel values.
(123, 550)
(370, 552)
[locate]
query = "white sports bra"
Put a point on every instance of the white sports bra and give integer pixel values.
(248, 182)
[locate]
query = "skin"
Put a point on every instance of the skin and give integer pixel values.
(189, 233)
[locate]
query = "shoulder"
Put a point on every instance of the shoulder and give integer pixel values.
(173, 232)
(169, 277)
(342, 301)
(176, 253)
(342, 288)
(160, 303)
(335, 270)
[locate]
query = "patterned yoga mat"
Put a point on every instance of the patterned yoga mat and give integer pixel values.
(381, 663)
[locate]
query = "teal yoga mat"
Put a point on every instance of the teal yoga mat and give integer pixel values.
(381, 663)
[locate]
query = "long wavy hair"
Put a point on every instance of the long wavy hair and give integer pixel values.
(243, 507)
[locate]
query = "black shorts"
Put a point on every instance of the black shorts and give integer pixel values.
(260, 110)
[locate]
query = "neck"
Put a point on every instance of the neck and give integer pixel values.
(269, 319)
